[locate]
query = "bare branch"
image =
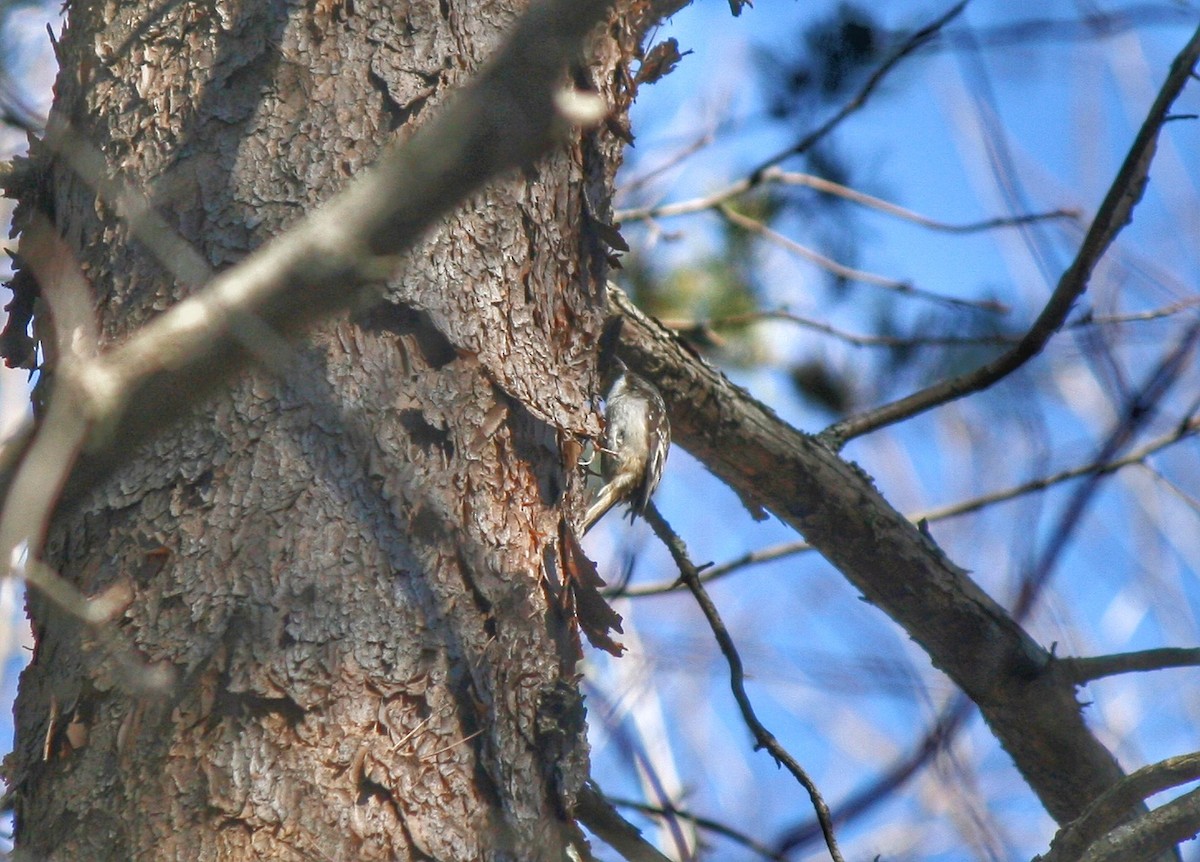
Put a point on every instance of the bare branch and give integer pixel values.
(1114, 213)
(170, 250)
(1137, 410)
(1082, 670)
(843, 271)
(914, 42)
(709, 575)
(1092, 468)
(789, 178)
(1092, 25)
(42, 471)
(1136, 316)
(1148, 834)
(14, 112)
(40, 475)
(506, 117)
(706, 330)
(763, 738)
(826, 263)
(895, 565)
(786, 549)
(1151, 834)
(702, 140)
(949, 721)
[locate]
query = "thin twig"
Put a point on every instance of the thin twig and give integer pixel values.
(763, 738)
(708, 328)
(1114, 213)
(1136, 316)
(1092, 468)
(937, 738)
(701, 141)
(1188, 499)
(792, 178)
(632, 749)
(1081, 670)
(1091, 26)
(705, 328)
(1137, 412)
(915, 41)
(887, 207)
(1182, 431)
(330, 260)
(709, 575)
(843, 271)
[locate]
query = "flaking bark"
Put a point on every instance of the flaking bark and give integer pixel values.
(349, 563)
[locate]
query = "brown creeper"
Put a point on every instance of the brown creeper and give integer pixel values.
(637, 436)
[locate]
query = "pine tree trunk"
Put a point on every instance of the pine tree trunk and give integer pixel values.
(350, 561)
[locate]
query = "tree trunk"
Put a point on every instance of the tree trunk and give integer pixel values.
(351, 562)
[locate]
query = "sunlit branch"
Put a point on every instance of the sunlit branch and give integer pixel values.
(790, 178)
(1114, 213)
(1085, 669)
(1177, 821)
(42, 471)
(706, 331)
(915, 41)
(842, 271)
(763, 738)
(507, 116)
(1135, 316)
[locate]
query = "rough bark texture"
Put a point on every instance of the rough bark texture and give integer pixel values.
(351, 566)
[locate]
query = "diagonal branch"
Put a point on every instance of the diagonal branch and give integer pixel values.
(1116, 211)
(508, 116)
(1107, 812)
(1184, 430)
(914, 42)
(896, 565)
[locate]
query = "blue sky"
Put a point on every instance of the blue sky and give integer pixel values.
(838, 682)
